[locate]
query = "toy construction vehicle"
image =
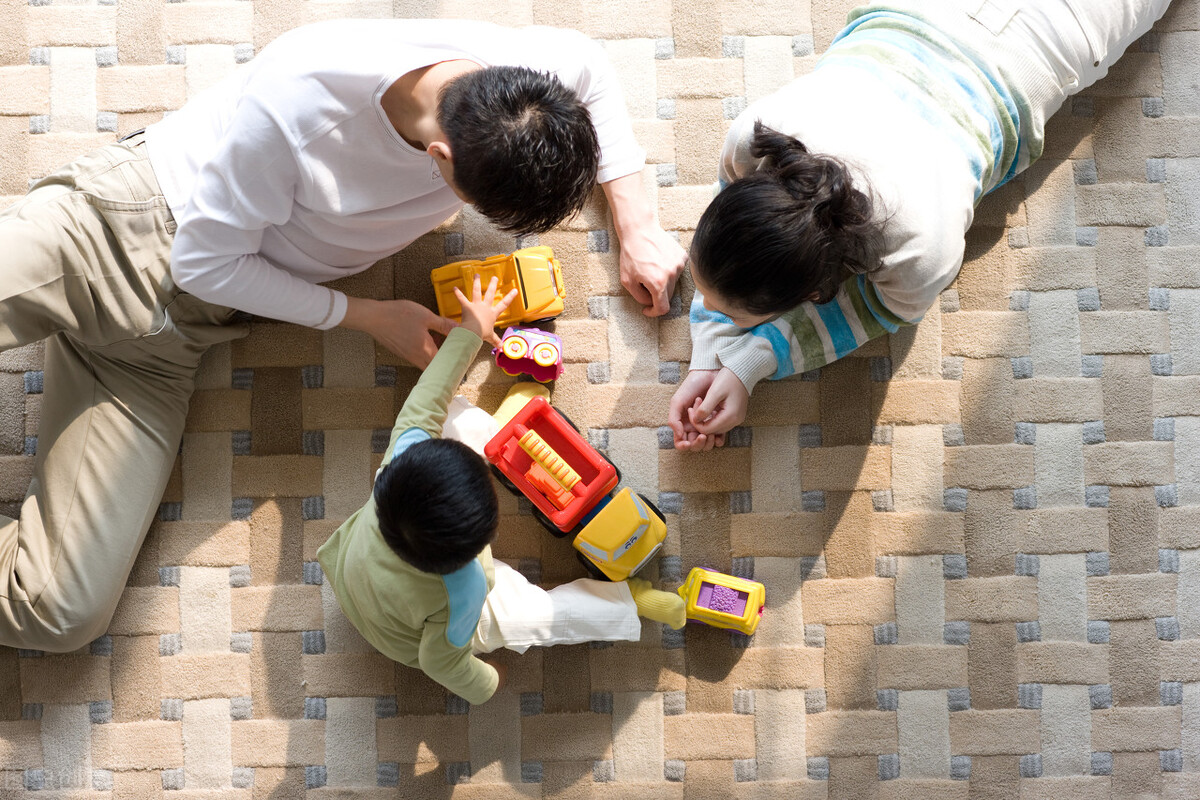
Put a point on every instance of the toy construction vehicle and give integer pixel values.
(540, 454)
(533, 271)
(723, 601)
(530, 351)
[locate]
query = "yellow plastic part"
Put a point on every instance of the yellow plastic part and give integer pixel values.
(622, 537)
(545, 354)
(756, 598)
(515, 400)
(544, 455)
(515, 347)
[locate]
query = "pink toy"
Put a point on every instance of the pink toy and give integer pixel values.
(530, 351)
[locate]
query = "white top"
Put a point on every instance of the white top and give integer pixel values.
(923, 186)
(288, 173)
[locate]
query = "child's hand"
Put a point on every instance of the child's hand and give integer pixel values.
(479, 314)
(706, 406)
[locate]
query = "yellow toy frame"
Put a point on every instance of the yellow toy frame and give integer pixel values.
(723, 601)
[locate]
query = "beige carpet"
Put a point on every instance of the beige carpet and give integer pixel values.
(980, 539)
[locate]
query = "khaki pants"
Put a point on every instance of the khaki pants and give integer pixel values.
(84, 264)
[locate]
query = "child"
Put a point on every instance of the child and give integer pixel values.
(847, 193)
(413, 569)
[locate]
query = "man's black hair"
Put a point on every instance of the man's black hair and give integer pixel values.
(436, 505)
(524, 149)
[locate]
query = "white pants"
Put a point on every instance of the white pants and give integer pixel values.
(518, 615)
(1048, 49)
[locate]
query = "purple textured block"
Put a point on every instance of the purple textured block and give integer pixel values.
(722, 599)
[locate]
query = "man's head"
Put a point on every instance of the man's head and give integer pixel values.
(436, 505)
(522, 145)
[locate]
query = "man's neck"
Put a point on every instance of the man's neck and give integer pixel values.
(411, 101)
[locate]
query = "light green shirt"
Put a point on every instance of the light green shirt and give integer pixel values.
(398, 608)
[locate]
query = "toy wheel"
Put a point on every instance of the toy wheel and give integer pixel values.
(514, 347)
(592, 570)
(544, 320)
(548, 525)
(545, 354)
(653, 507)
(504, 481)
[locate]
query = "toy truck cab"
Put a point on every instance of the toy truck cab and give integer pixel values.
(723, 601)
(622, 537)
(544, 457)
(533, 271)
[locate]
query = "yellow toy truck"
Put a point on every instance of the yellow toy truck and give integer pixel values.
(622, 536)
(723, 601)
(533, 271)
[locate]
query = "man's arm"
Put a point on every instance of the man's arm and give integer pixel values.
(651, 260)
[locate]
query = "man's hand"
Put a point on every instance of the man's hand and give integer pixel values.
(483, 309)
(651, 261)
(706, 406)
(402, 326)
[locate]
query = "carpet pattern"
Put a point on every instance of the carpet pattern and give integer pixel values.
(980, 537)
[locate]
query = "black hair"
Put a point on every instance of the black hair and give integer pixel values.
(795, 228)
(523, 146)
(436, 505)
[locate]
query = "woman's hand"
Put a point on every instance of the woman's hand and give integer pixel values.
(402, 326)
(482, 310)
(706, 406)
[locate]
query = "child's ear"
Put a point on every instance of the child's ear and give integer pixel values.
(440, 151)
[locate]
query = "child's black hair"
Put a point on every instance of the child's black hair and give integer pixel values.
(792, 231)
(436, 505)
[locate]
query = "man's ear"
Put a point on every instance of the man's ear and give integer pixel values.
(439, 150)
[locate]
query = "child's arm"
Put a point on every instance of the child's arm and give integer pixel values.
(426, 405)
(456, 668)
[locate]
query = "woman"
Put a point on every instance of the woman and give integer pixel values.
(846, 194)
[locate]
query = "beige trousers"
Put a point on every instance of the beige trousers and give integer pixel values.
(84, 264)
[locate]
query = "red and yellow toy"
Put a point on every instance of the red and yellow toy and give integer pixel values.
(533, 271)
(723, 601)
(539, 454)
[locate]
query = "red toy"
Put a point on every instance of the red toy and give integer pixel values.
(530, 351)
(541, 455)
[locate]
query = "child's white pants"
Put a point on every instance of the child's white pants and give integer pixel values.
(518, 615)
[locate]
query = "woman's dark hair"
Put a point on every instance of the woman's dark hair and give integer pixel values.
(436, 505)
(523, 145)
(795, 228)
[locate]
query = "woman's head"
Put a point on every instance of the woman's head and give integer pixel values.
(790, 232)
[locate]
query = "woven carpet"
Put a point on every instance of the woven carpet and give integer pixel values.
(980, 538)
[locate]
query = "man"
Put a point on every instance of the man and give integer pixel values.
(340, 144)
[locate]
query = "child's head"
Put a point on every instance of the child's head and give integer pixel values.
(790, 232)
(436, 505)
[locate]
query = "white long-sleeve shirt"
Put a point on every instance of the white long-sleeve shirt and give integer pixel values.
(287, 173)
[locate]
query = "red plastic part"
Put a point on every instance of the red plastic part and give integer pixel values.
(597, 476)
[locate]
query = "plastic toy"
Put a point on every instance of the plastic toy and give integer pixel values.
(530, 351)
(622, 536)
(533, 271)
(723, 601)
(540, 454)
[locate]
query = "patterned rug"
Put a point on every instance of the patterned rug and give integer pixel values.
(980, 538)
